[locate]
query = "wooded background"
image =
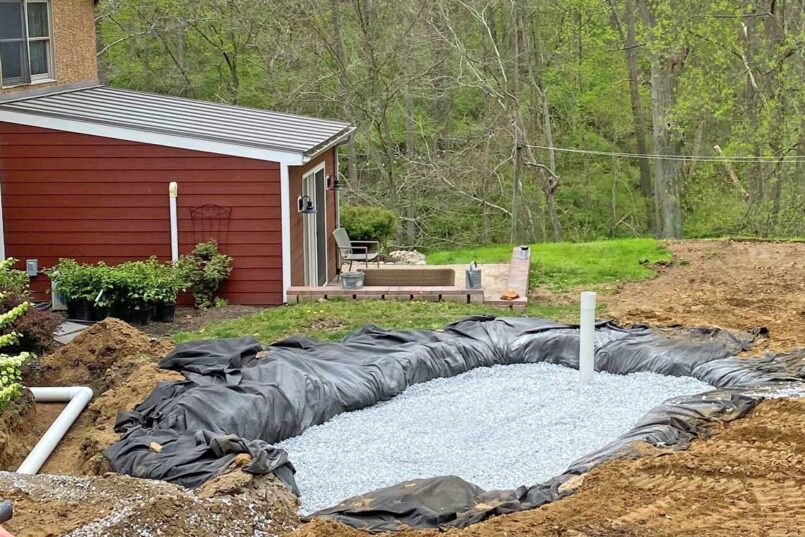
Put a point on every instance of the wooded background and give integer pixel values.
(457, 103)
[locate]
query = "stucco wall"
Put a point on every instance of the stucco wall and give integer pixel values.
(73, 43)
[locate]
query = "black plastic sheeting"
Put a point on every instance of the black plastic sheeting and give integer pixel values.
(241, 397)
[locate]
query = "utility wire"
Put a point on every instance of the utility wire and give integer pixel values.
(695, 158)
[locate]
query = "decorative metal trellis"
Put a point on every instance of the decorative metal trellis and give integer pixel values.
(211, 222)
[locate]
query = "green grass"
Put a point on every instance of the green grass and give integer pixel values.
(559, 266)
(565, 265)
(333, 319)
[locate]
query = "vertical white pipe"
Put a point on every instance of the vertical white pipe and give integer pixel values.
(173, 192)
(285, 202)
(2, 232)
(587, 337)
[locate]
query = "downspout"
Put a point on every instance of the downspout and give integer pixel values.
(338, 192)
(285, 211)
(173, 193)
(2, 232)
(77, 398)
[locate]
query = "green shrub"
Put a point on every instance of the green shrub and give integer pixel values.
(369, 224)
(133, 283)
(10, 364)
(34, 328)
(203, 272)
(78, 281)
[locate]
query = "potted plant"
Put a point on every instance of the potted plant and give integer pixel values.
(81, 286)
(165, 283)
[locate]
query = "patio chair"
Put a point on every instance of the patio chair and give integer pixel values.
(352, 251)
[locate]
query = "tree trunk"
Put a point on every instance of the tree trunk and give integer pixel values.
(666, 171)
(630, 43)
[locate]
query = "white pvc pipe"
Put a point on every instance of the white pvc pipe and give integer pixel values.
(78, 398)
(587, 337)
(173, 192)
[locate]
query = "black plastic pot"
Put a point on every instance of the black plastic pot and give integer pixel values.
(164, 313)
(79, 309)
(141, 314)
(98, 313)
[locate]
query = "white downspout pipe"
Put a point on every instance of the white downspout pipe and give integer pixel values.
(2, 232)
(173, 192)
(587, 337)
(77, 398)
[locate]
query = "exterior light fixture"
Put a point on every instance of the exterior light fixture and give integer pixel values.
(335, 184)
(305, 205)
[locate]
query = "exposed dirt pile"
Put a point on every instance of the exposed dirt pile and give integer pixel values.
(116, 505)
(99, 356)
(748, 479)
(738, 285)
(119, 363)
(16, 436)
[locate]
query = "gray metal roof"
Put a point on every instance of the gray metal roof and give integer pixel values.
(186, 117)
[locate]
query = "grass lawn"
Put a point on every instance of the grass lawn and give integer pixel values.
(564, 265)
(560, 266)
(333, 319)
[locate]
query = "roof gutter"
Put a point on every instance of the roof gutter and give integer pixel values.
(335, 141)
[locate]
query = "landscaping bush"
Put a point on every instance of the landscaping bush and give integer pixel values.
(10, 364)
(369, 224)
(34, 328)
(203, 272)
(130, 290)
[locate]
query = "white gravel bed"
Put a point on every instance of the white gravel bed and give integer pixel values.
(498, 427)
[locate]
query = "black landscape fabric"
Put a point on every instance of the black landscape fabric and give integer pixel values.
(241, 397)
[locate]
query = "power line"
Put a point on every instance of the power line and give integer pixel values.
(694, 158)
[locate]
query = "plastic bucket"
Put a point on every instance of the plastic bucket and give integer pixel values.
(352, 280)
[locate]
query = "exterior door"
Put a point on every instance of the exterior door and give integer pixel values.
(314, 185)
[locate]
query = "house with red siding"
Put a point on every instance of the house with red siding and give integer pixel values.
(86, 170)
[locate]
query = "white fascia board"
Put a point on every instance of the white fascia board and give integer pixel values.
(153, 138)
(285, 202)
(333, 143)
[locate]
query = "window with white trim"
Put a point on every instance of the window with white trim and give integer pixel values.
(26, 41)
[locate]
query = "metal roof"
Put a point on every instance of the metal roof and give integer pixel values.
(188, 118)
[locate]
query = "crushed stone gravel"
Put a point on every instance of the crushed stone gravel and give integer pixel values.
(497, 427)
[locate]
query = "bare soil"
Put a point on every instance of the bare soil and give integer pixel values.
(737, 285)
(189, 319)
(120, 363)
(117, 506)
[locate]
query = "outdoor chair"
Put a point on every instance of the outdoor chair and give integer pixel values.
(352, 251)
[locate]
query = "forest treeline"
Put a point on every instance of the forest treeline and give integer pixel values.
(511, 120)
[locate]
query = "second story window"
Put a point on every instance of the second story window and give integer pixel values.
(26, 52)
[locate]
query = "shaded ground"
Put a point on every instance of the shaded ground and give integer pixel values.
(749, 479)
(188, 318)
(738, 285)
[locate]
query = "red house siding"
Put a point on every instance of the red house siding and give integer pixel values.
(94, 198)
(297, 233)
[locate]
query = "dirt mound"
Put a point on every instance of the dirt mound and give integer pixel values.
(16, 437)
(737, 285)
(116, 505)
(119, 363)
(99, 356)
(748, 479)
